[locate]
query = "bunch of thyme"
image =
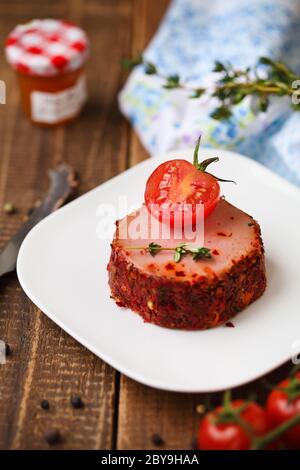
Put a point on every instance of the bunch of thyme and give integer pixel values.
(234, 85)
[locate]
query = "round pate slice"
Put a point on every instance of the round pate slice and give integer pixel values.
(189, 294)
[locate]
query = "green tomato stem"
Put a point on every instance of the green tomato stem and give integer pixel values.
(262, 442)
(196, 151)
(227, 400)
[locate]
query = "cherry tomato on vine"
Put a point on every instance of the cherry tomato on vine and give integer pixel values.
(233, 428)
(283, 403)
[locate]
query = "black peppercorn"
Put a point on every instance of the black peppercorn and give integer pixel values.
(7, 350)
(52, 436)
(45, 405)
(76, 402)
(157, 440)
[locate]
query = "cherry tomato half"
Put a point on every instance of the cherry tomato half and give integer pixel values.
(280, 408)
(231, 435)
(178, 185)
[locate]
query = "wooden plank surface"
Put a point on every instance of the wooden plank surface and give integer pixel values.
(45, 362)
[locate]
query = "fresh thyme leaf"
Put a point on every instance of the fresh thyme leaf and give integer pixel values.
(223, 112)
(173, 81)
(180, 250)
(263, 103)
(154, 248)
(177, 256)
(238, 96)
(174, 78)
(200, 253)
(219, 67)
(222, 93)
(266, 61)
(150, 69)
(197, 93)
(227, 78)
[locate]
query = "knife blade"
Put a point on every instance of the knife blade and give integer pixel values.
(62, 183)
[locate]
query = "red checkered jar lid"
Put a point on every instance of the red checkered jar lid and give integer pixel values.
(46, 47)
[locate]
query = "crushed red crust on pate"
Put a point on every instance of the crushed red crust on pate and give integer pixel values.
(193, 295)
(200, 303)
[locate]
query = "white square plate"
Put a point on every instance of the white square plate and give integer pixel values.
(62, 268)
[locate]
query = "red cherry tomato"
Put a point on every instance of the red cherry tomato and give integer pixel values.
(231, 435)
(280, 408)
(176, 185)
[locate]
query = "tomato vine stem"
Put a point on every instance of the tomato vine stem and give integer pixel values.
(262, 442)
(229, 414)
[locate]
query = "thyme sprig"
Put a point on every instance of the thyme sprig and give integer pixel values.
(233, 85)
(181, 250)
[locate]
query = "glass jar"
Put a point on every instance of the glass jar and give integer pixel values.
(49, 57)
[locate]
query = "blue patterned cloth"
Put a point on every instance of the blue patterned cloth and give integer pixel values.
(195, 33)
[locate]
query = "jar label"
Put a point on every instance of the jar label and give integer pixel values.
(55, 107)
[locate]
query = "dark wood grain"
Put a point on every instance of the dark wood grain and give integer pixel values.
(46, 363)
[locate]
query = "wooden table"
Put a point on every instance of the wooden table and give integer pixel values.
(45, 362)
